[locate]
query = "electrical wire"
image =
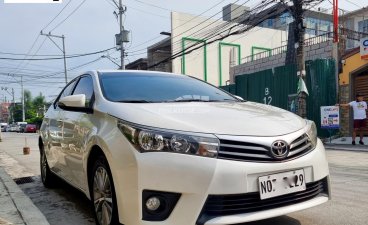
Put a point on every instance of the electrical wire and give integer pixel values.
(34, 78)
(59, 24)
(248, 27)
(353, 3)
(55, 58)
(159, 36)
(155, 6)
(38, 35)
(150, 13)
(199, 31)
(66, 5)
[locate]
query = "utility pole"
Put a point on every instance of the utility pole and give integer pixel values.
(298, 14)
(23, 111)
(49, 35)
(122, 50)
(123, 35)
(13, 105)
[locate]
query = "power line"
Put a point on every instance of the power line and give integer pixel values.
(68, 15)
(55, 58)
(199, 31)
(159, 36)
(155, 6)
(57, 15)
(34, 78)
(150, 13)
(250, 25)
(38, 35)
(206, 34)
(29, 51)
(353, 3)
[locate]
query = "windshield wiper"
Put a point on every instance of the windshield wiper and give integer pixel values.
(134, 101)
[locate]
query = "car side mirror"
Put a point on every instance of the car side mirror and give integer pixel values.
(75, 103)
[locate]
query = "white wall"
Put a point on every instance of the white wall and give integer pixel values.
(186, 25)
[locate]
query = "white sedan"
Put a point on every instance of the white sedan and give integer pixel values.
(154, 148)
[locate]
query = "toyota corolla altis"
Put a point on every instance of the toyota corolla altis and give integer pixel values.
(158, 148)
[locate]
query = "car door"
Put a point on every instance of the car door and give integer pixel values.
(54, 126)
(77, 128)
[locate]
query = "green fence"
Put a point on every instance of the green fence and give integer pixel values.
(274, 86)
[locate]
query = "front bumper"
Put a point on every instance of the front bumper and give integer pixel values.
(195, 178)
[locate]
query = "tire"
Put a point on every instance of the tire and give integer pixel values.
(47, 177)
(103, 198)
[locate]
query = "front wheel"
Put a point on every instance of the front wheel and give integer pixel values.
(47, 177)
(103, 194)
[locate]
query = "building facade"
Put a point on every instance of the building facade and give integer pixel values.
(357, 21)
(353, 79)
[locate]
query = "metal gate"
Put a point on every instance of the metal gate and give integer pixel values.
(274, 86)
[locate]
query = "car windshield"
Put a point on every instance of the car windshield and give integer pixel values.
(155, 87)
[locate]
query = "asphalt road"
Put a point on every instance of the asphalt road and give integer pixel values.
(65, 205)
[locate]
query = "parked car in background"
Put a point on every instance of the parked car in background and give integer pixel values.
(22, 128)
(7, 128)
(14, 128)
(29, 128)
(152, 148)
(3, 127)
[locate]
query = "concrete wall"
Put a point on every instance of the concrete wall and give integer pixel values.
(318, 51)
(186, 25)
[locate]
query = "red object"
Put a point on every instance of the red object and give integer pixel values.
(360, 124)
(30, 128)
(336, 20)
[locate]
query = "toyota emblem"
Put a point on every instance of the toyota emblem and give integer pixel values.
(279, 150)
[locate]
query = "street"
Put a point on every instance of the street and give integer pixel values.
(65, 205)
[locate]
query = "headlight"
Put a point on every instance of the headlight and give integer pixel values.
(312, 132)
(151, 140)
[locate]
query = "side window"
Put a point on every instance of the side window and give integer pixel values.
(66, 92)
(85, 86)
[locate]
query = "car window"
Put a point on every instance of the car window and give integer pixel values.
(85, 86)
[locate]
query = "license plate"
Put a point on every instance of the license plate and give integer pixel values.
(281, 184)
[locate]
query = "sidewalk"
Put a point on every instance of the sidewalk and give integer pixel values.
(15, 207)
(344, 143)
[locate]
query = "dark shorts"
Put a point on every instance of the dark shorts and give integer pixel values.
(360, 123)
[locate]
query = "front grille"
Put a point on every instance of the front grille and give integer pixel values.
(224, 205)
(244, 151)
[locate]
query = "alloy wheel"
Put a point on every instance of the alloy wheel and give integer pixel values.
(43, 166)
(102, 195)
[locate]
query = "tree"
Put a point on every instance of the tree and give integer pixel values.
(34, 108)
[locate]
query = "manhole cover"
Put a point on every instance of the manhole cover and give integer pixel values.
(23, 180)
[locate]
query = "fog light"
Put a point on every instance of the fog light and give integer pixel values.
(153, 203)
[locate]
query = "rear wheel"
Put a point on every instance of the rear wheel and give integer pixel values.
(103, 193)
(47, 177)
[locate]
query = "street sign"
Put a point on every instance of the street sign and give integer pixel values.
(330, 117)
(364, 48)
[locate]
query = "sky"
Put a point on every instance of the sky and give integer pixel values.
(88, 26)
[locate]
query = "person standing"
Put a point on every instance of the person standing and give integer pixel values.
(360, 116)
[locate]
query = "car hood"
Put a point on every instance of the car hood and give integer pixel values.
(227, 118)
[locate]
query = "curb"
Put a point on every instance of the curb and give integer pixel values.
(346, 148)
(28, 212)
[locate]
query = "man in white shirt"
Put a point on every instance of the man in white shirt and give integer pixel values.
(360, 117)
